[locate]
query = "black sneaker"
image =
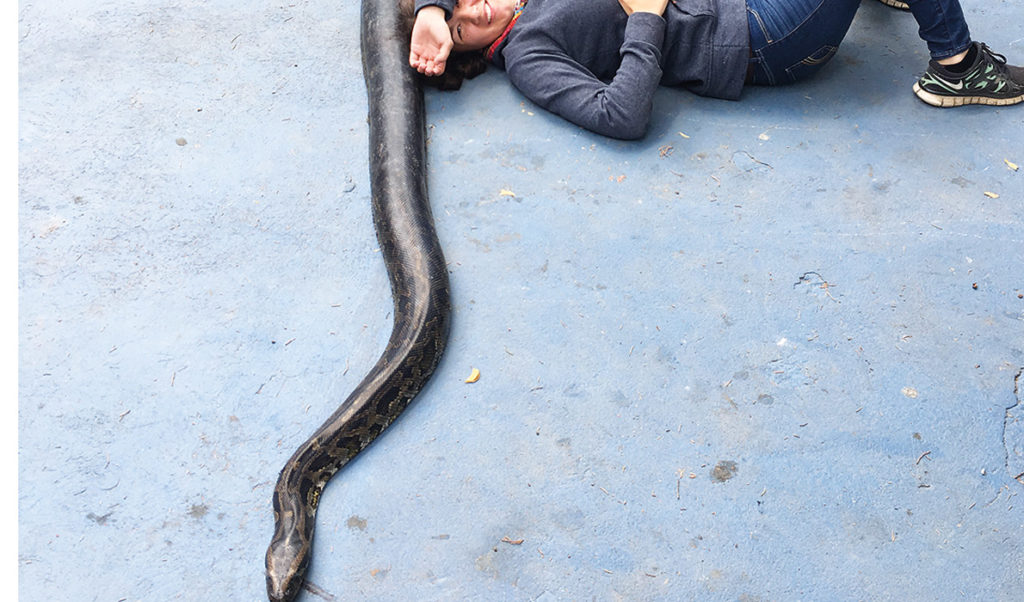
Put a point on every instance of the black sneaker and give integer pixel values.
(989, 81)
(896, 4)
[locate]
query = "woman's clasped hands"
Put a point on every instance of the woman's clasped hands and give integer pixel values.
(644, 6)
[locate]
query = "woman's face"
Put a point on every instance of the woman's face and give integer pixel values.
(476, 24)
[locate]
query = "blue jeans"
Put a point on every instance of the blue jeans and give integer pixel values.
(791, 39)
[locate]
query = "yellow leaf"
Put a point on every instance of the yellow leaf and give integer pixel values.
(991, 195)
(1011, 164)
(683, 135)
(505, 192)
(473, 376)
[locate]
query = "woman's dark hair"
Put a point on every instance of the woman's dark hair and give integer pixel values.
(460, 65)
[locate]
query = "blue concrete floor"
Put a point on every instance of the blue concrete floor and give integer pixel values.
(770, 352)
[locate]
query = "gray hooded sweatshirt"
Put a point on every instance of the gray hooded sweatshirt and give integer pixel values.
(589, 62)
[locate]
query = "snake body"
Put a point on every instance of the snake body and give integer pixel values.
(419, 287)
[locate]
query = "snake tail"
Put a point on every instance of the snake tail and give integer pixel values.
(419, 289)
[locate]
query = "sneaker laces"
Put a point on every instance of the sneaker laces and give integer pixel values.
(995, 56)
(1009, 74)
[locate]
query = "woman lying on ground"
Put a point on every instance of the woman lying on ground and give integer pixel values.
(598, 62)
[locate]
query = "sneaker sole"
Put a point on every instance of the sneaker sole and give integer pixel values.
(896, 4)
(937, 100)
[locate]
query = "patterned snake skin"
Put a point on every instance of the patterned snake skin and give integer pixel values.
(419, 286)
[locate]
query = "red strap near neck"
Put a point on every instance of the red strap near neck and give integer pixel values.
(515, 17)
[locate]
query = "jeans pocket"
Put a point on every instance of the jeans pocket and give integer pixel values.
(754, 20)
(810, 65)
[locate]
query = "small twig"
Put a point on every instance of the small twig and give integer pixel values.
(825, 286)
(752, 158)
(316, 591)
(921, 457)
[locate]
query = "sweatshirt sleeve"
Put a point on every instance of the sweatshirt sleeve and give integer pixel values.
(447, 5)
(620, 108)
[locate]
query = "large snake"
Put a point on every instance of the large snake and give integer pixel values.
(419, 287)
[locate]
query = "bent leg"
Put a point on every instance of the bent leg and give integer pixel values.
(942, 26)
(790, 40)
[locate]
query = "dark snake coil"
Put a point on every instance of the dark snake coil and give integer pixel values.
(419, 287)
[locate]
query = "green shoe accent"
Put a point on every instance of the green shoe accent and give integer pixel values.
(989, 81)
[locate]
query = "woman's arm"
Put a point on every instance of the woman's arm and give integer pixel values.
(620, 108)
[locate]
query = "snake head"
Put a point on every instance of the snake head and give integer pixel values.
(287, 561)
(289, 551)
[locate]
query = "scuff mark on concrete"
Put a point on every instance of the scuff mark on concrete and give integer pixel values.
(723, 471)
(1013, 433)
(198, 511)
(99, 520)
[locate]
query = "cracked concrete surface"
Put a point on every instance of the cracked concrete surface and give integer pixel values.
(1013, 433)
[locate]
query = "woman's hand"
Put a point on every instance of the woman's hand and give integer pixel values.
(431, 41)
(644, 6)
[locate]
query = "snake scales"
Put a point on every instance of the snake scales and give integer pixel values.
(419, 287)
